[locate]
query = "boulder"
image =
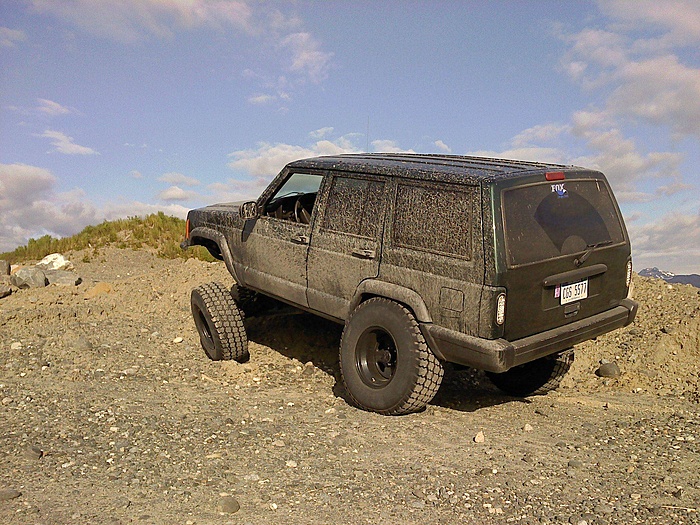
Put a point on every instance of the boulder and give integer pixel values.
(63, 277)
(28, 277)
(4, 267)
(55, 261)
(4, 290)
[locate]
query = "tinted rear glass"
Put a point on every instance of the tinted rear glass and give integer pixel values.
(543, 221)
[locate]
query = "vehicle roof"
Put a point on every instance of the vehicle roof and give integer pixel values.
(430, 166)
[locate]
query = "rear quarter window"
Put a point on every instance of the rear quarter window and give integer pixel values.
(434, 218)
(544, 221)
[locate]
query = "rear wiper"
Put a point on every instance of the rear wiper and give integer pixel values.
(589, 250)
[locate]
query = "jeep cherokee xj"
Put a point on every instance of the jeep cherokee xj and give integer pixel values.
(499, 265)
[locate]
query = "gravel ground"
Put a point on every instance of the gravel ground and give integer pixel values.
(111, 413)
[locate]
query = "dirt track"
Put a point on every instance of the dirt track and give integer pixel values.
(104, 418)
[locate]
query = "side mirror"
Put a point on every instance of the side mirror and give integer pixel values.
(248, 210)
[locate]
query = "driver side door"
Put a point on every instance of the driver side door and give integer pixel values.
(276, 244)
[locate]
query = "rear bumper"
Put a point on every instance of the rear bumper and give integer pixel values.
(499, 355)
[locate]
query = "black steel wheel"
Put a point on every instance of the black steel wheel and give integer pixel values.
(535, 378)
(385, 362)
(219, 323)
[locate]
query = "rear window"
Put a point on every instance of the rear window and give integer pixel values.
(543, 221)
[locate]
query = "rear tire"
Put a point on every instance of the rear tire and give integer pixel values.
(219, 323)
(385, 362)
(535, 378)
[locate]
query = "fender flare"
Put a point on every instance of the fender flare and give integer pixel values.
(220, 240)
(400, 294)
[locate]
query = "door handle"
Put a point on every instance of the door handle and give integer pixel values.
(364, 254)
(300, 239)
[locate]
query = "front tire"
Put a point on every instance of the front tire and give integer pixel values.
(385, 362)
(536, 377)
(219, 323)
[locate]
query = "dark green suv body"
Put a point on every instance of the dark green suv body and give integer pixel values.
(496, 264)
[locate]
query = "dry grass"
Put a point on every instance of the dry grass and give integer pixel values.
(159, 232)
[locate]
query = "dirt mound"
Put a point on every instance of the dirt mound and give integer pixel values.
(111, 413)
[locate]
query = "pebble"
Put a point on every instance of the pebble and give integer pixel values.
(479, 438)
(575, 463)
(178, 340)
(33, 452)
(229, 505)
(100, 288)
(608, 370)
(528, 427)
(8, 494)
(603, 508)
(16, 346)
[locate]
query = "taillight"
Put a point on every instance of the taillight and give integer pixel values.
(554, 175)
(628, 278)
(501, 309)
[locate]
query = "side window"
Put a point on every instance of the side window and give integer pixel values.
(434, 218)
(354, 206)
(295, 199)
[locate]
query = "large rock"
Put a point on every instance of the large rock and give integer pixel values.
(4, 290)
(28, 277)
(63, 277)
(55, 261)
(4, 267)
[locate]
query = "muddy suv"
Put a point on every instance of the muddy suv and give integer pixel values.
(495, 264)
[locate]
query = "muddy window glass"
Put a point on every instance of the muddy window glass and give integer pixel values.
(354, 207)
(435, 219)
(548, 220)
(295, 199)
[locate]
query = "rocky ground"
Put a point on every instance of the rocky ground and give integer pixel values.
(110, 413)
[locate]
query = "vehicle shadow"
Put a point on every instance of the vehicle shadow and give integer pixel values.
(309, 338)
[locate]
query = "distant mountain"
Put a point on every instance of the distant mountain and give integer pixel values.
(669, 277)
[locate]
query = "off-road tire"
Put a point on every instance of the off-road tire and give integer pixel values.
(535, 378)
(385, 362)
(219, 323)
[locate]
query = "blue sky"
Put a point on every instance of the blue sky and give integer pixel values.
(113, 108)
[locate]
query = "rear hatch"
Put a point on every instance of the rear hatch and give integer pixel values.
(564, 249)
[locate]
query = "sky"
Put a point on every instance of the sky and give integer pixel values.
(116, 108)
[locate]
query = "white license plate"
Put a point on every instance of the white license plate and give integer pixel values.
(573, 292)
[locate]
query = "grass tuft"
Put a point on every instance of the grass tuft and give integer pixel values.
(158, 232)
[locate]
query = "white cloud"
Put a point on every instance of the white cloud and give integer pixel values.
(389, 146)
(51, 108)
(135, 174)
(268, 159)
(31, 207)
(62, 143)
(261, 99)
(175, 193)
(178, 178)
(10, 37)
(680, 19)
(130, 21)
(440, 145)
(321, 133)
(307, 58)
(672, 243)
(299, 54)
(644, 81)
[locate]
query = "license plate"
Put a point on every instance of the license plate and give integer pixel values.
(570, 293)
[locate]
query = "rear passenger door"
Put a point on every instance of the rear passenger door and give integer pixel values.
(345, 242)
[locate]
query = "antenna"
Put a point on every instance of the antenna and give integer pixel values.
(367, 148)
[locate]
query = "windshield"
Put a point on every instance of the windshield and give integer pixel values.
(544, 221)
